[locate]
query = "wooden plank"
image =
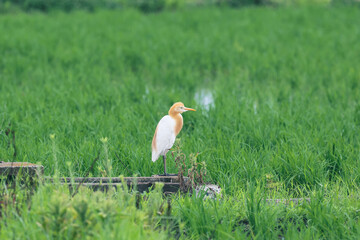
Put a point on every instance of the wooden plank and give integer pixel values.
(11, 169)
(14, 168)
(163, 179)
(171, 183)
(294, 201)
(143, 187)
(141, 184)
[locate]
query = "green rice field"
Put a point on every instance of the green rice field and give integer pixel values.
(278, 116)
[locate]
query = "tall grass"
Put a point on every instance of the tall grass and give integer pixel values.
(285, 85)
(53, 213)
(284, 122)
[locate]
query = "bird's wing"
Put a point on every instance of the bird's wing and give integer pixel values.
(164, 137)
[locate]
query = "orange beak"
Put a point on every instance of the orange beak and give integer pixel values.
(189, 109)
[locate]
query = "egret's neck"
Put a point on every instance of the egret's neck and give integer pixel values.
(178, 121)
(172, 112)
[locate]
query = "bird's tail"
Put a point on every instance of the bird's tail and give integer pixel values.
(155, 155)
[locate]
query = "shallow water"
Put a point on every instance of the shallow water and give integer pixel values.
(205, 99)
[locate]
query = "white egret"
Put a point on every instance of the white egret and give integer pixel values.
(166, 131)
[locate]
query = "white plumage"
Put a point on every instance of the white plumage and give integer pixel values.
(165, 137)
(166, 131)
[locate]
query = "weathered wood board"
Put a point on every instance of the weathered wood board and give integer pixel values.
(15, 168)
(141, 184)
(288, 201)
(10, 170)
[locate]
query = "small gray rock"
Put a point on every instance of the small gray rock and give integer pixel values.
(208, 191)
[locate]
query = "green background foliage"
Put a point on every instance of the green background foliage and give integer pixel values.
(284, 123)
(285, 86)
(148, 6)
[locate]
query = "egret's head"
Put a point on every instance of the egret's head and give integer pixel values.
(179, 108)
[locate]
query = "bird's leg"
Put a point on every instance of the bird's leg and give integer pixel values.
(166, 174)
(164, 157)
